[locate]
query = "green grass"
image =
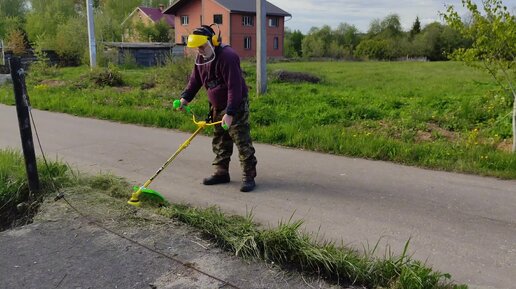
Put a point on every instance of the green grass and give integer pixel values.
(287, 247)
(438, 115)
(14, 187)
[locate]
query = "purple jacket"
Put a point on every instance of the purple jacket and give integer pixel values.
(226, 87)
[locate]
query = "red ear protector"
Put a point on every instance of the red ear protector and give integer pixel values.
(208, 31)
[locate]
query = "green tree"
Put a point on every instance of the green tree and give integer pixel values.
(431, 36)
(334, 50)
(416, 28)
(293, 43)
(347, 37)
(158, 32)
(436, 41)
(391, 26)
(106, 27)
(375, 28)
(312, 45)
(162, 32)
(46, 16)
(8, 24)
(374, 49)
(12, 16)
(493, 35)
(72, 40)
(385, 39)
(317, 42)
(119, 10)
(13, 8)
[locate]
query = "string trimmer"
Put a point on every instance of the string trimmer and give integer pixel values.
(152, 194)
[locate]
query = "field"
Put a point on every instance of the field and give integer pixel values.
(438, 115)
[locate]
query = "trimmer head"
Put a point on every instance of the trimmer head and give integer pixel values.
(147, 195)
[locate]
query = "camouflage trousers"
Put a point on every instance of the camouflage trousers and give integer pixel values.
(239, 133)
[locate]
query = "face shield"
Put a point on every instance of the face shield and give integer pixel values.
(205, 50)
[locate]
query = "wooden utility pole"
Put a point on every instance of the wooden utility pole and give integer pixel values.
(22, 108)
(261, 47)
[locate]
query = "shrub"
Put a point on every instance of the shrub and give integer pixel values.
(72, 40)
(175, 73)
(109, 76)
(16, 42)
(41, 68)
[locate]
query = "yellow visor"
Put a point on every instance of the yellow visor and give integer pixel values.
(195, 40)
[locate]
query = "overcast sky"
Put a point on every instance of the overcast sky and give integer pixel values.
(360, 13)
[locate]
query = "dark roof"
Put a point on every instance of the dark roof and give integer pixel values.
(236, 6)
(140, 44)
(156, 15)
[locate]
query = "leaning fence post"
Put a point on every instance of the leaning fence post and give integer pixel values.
(22, 108)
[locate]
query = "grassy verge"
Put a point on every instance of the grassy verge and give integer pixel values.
(17, 204)
(284, 245)
(435, 115)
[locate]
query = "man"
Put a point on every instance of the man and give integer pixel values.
(217, 68)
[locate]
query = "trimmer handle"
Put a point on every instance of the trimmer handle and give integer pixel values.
(177, 105)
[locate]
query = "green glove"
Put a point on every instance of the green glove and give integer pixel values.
(177, 105)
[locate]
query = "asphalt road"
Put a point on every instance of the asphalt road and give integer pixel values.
(461, 224)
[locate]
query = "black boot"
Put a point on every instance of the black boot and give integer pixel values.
(248, 184)
(216, 179)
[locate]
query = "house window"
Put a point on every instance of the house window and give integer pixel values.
(217, 18)
(184, 20)
(273, 22)
(247, 21)
(247, 42)
(276, 43)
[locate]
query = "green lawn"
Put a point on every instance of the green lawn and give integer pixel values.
(439, 115)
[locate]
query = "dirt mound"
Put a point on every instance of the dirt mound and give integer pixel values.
(292, 76)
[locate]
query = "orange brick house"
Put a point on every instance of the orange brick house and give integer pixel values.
(236, 20)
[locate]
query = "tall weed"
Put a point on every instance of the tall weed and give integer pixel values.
(17, 203)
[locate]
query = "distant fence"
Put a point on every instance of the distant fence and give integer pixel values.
(26, 59)
(144, 54)
(413, 58)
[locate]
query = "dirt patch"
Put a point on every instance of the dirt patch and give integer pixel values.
(433, 132)
(122, 89)
(53, 82)
(505, 145)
